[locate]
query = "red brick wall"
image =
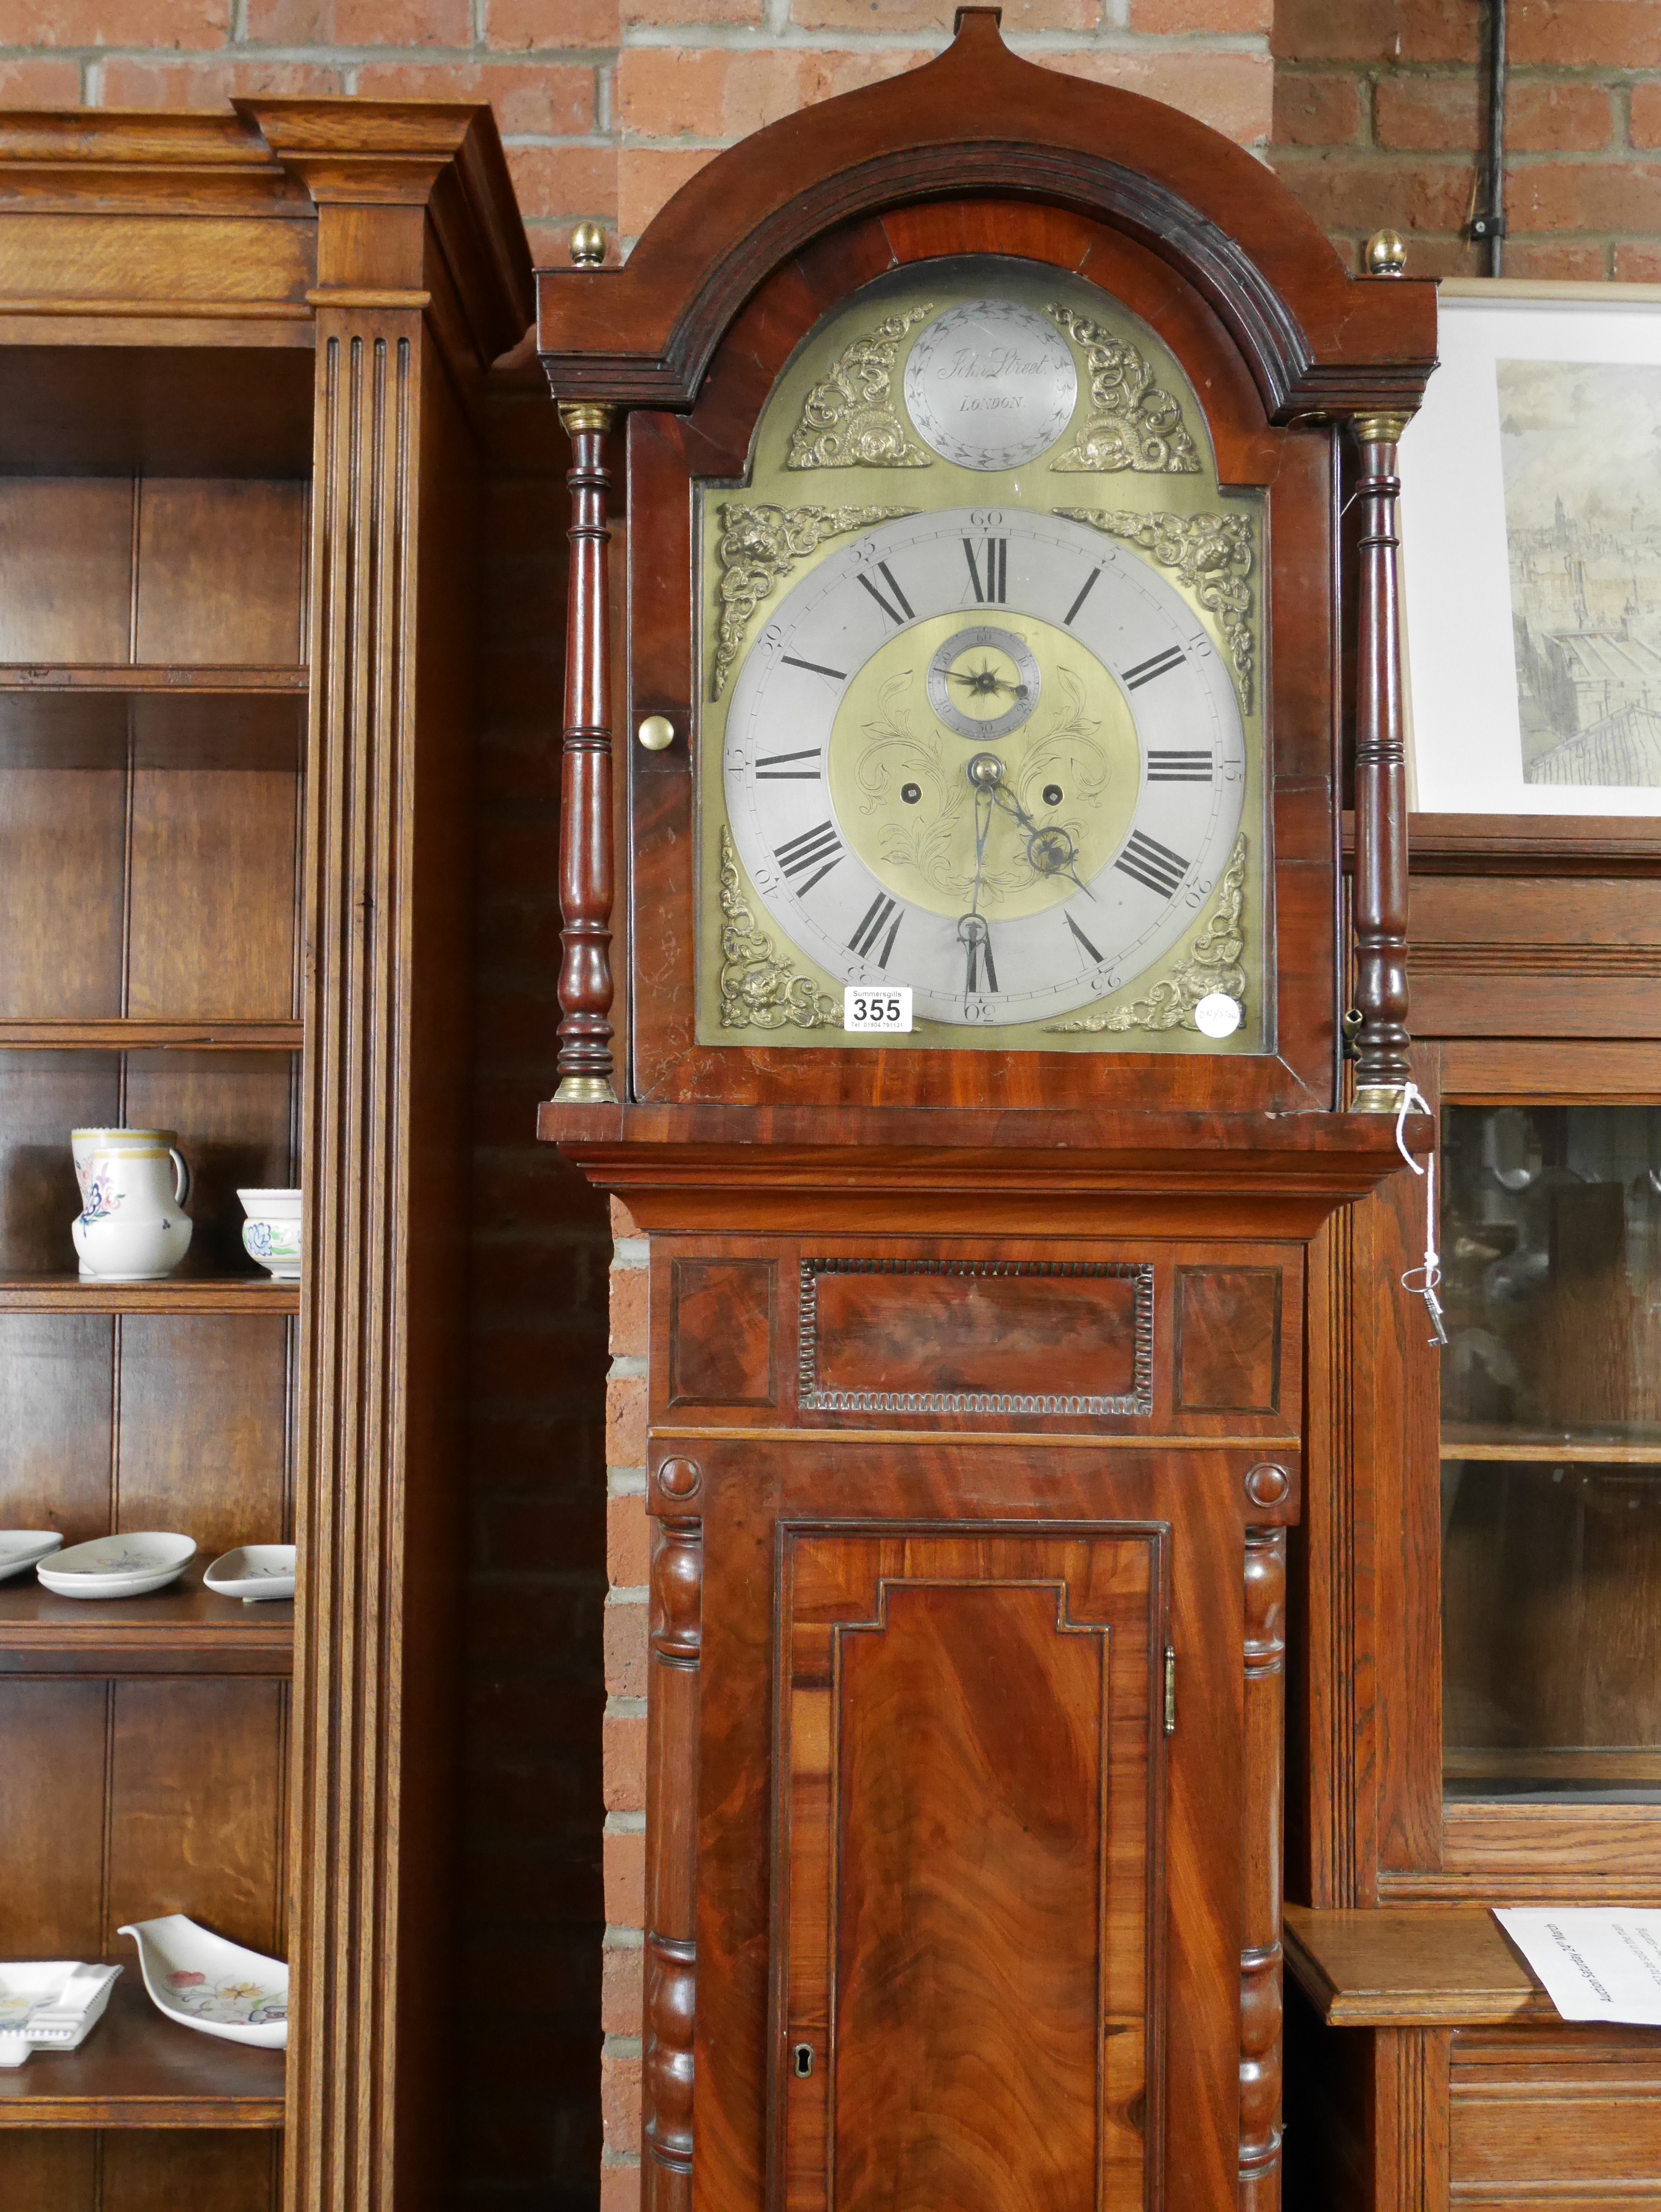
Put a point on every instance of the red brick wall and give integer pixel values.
(607, 106)
(1379, 111)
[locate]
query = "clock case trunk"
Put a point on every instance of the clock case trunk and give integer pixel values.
(934, 1499)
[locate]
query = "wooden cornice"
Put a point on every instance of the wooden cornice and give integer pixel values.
(444, 156)
(100, 160)
(980, 119)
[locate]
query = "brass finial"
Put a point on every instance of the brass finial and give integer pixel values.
(1387, 253)
(588, 245)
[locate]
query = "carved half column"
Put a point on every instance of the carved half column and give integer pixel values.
(1259, 1955)
(586, 875)
(672, 1842)
(1381, 806)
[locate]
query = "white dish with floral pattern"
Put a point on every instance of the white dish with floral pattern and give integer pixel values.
(253, 1571)
(118, 1566)
(20, 1548)
(198, 1980)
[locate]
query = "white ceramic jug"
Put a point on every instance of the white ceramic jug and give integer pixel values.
(131, 1227)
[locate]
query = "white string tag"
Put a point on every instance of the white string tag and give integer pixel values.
(1430, 1270)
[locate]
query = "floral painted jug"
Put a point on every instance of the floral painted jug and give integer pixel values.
(132, 1227)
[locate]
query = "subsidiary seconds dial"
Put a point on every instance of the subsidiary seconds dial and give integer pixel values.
(990, 755)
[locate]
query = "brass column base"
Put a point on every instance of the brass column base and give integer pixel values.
(1378, 1099)
(585, 1090)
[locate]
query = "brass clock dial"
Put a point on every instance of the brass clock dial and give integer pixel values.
(1013, 817)
(978, 689)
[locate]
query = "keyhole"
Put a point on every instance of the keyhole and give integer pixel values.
(802, 2060)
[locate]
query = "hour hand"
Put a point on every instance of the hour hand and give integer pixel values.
(976, 942)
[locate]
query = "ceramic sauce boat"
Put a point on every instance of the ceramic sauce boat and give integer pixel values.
(198, 1980)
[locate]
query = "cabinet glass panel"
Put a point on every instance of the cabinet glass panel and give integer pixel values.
(1551, 1453)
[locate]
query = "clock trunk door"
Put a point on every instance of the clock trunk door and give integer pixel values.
(968, 1785)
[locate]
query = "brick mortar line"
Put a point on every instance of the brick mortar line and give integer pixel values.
(749, 38)
(345, 56)
(1425, 157)
(1610, 74)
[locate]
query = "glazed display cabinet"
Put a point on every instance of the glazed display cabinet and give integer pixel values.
(238, 361)
(1483, 1572)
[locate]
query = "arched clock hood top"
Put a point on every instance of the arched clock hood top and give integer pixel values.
(979, 119)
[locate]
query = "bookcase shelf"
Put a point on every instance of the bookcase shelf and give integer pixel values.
(185, 1627)
(136, 2069)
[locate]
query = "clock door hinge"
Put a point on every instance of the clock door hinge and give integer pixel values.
(1170, 1691)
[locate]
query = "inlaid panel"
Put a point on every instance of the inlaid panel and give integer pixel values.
(1228, 1339)
(1570, 2116)
(203, 1408)
(62, 837)
(126, 1799)
(52, 1747)
(43, 1095)
(55, 1422)
(235, 1114)
(212, 894)
(136, 2169)
(961, 1335)
(220, 570)
(195, 1806)
(65, 568)
(969, 1871)
(722, 1332)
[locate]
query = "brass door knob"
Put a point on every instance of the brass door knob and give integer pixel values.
(657, 733)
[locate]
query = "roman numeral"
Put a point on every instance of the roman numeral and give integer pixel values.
(1083, 593)
(864, 939)
(980, 956)
(1145, 670)
(815, 668)
(807, 850)
(996, 556)
(770, 767)
(1151, 863)
(887, 573)
(1170, 766)
(1095, 957)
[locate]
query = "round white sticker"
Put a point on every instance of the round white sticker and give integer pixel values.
(1217, 1015)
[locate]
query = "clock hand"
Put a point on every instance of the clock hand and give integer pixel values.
(1054, 839)
(984, 680)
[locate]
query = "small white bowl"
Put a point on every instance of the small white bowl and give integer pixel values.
(120, 1567)
(271, 1232)
(203, 1982)
(253, 1571)
(21, 1548)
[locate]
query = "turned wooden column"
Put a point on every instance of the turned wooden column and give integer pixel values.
(1381, 811)
(671, 1797)
(586, 873)
(1260, 1954)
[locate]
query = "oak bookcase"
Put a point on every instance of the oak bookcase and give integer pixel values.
(240, 367)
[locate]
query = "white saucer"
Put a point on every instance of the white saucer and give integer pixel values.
(253, 1571)
(120, 1567)
(21, 1548)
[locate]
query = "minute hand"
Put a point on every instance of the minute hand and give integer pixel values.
(1027, 824)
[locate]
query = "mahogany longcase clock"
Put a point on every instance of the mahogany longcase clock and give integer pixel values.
(952, 988)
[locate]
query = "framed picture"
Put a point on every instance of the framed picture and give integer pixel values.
(1531, 553)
